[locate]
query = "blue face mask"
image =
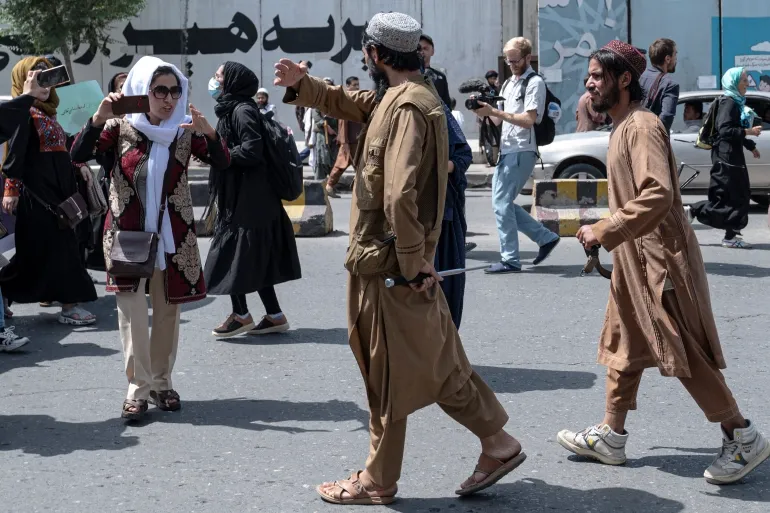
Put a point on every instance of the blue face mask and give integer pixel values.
(215, 88)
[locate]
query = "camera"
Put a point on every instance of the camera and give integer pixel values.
(476, 85)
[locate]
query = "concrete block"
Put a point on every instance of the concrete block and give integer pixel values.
(311, 213)
(563, 206)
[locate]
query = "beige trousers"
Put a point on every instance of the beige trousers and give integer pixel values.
(706, 385)
(474, 406)
(149, 358)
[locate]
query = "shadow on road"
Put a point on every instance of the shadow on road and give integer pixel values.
(505, 380)
(537, 495)
(262, 414)
(732, 269)
(45, 436)
(298, 336)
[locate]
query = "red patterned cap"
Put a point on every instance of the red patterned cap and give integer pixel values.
(636, 62)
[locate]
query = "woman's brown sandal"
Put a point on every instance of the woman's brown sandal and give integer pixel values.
(166, 400)
(134, 409)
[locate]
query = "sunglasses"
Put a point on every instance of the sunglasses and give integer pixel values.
(161, 92)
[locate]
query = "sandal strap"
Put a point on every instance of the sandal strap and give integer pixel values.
(487, 464)
(354, 488)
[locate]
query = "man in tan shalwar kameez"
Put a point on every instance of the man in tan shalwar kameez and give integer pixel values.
(403, 338)
(659, 312)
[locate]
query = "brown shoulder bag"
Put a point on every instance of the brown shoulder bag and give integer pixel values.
(133, 253)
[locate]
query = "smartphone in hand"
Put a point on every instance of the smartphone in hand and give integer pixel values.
(131, 105)
(53, 77)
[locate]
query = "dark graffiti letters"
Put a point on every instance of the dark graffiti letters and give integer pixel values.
(300, 40)
(241, 35)
(353, 36)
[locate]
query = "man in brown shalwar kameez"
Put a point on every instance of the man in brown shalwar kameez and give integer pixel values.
(659, 311)
(403, 338)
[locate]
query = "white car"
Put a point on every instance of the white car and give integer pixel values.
(584, 155)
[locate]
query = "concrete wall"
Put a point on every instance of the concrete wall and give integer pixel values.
(327, 32)
(745, 39)
(569, 31)
(694, 45)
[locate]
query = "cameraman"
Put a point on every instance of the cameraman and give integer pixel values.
(518, 148)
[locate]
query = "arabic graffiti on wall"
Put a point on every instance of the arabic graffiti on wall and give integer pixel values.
(569, 31)
(199, 35)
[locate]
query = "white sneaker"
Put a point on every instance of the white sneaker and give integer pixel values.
(736, 242)
(599, 443)
(739, 456)
(10, 341)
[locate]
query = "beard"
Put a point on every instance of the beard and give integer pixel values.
(672, 69)
(380, 78)
(608, 100)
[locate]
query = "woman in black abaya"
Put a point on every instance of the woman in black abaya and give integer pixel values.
(730, 190)
(253, 246)
(48, 264)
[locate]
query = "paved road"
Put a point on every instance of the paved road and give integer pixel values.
(264, 420)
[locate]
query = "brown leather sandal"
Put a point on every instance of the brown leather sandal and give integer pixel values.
(493, 470)
(357, 494)
(166, 400)
(134, 409)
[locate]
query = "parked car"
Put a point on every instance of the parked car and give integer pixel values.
(584, 155)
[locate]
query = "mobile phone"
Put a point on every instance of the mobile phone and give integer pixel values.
(131, 105)
(53, 77)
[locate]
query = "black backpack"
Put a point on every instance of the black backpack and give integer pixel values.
(545, 130)
(707, 136)
(283, 163)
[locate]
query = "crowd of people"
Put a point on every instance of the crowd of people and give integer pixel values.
(407, 222)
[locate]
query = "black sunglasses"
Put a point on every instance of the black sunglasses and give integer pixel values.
(161, 92)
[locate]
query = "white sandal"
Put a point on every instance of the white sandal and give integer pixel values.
(77, 316)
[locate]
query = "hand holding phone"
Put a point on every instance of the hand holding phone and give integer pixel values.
(53, 77)
(131, 105)
(32, 88)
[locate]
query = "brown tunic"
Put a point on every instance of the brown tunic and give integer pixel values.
(405, 343)
(652, 243)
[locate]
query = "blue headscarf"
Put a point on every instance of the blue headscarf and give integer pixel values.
(730, 81)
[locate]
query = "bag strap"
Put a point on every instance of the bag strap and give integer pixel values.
(654, 90)
(45, 204)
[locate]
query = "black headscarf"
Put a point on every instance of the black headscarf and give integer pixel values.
(240, 85)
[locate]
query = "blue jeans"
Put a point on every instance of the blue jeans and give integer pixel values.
(511, 175)
(304, 154)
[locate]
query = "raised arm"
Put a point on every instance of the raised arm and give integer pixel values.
(307, 91)
(651, 172)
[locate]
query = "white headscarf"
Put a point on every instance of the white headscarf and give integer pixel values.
(138, 83)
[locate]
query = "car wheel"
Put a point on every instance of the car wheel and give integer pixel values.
(581, 172)
(763, 200)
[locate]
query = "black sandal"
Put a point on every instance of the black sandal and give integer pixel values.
(134, 409)
(166, 400)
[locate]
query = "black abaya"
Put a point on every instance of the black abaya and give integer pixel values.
(729, 194)
(253, 244)
(48, 264)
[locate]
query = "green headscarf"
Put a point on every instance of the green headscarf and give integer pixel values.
(730, 81)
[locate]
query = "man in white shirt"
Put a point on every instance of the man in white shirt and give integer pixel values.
(518, 153)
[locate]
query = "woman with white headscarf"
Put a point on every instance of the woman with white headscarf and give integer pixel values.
(151, 154)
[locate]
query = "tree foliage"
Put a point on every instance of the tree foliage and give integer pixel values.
(41, 26)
